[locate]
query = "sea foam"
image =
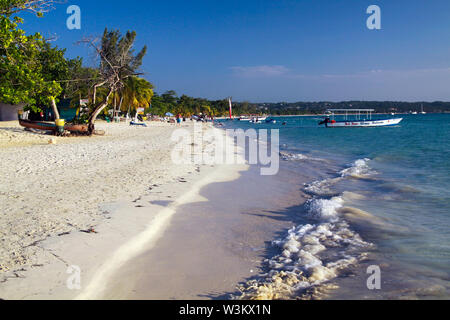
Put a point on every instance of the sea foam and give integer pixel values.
(359, 169)
(313, 254)
(287, 156)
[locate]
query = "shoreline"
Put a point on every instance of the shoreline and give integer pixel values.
(155, 229)
(213, 244)
(76, 223)
(194, 232)
(117, 239)
(120, 228)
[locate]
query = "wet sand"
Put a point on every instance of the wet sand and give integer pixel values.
(105, 209)
(212, 246)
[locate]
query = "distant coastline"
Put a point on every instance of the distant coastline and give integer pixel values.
(321, 114)
(318, 108)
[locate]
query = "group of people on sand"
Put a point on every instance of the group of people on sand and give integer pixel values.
(180, 119)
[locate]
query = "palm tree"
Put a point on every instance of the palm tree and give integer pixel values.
(118, 62)
(136, 93)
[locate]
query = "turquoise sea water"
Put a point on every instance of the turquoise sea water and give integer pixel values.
(378, 196)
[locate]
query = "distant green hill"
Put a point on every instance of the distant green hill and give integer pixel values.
(299, 108)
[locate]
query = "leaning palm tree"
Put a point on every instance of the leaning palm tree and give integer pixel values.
(117, 64)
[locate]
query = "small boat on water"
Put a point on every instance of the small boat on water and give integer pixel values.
(356, 118)
(423, 111)
(252, 119)
(244, 119)
(258, 119)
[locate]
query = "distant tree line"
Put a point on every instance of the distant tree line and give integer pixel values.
(301, 108)
(187, 106)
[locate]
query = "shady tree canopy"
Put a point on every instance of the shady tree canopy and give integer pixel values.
(25, 59)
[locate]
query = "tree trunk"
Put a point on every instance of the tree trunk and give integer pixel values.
(97, 111)
(115, 107)
(95, 92)
(120, 103)
(55, 109)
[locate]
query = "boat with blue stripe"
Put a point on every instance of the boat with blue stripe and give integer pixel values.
(356, 118)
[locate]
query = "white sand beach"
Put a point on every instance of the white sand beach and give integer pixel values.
(52, 194)
(48, 189)
(110, 206)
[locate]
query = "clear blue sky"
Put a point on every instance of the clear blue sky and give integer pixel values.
(279, 50)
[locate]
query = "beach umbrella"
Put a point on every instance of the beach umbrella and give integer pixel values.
(168, 114)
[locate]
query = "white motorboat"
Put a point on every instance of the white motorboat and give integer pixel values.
(356, 118)
(258, 119)
(244, 119)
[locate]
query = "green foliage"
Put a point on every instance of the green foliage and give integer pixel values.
(9, 7)
(31, 70)
(158, 106)
(117, 59)
(186, 106)
(27, 63)
(80, 80)
(137, 93)
(118, 63)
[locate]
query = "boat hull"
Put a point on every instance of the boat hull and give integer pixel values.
(38, 125)
(258, 120)
(50, 126)
(365, 124)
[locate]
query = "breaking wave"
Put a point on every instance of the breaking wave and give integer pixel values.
(314, 254)
(359, 169)
(287, 156)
